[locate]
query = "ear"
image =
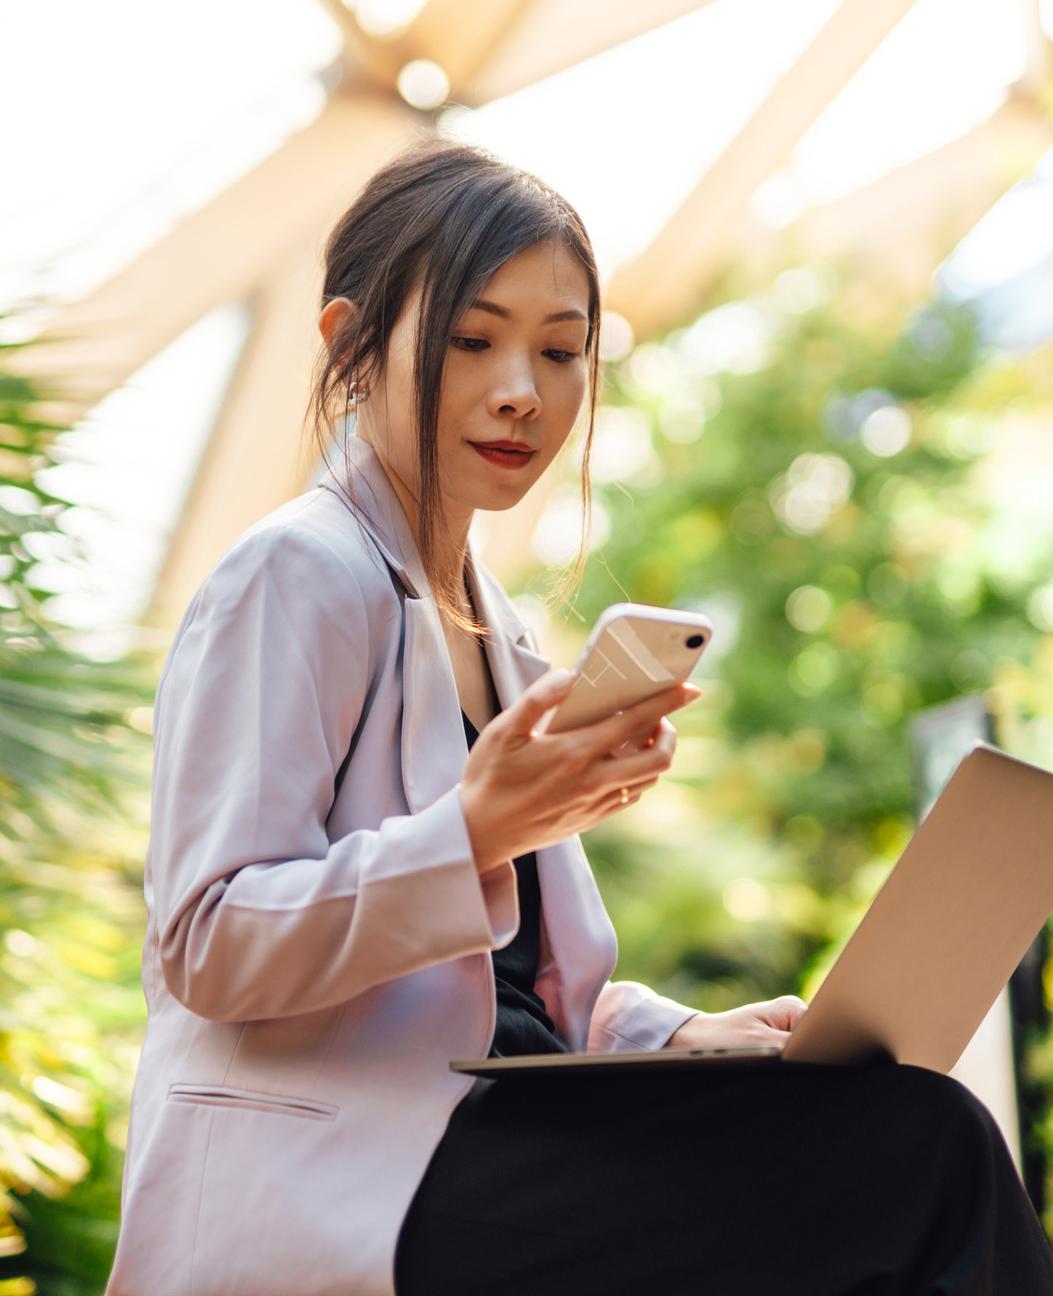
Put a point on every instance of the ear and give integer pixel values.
(335, 318)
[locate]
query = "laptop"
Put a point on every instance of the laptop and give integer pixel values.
(969, 894)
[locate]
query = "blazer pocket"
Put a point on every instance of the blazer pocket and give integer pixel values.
(254, 1099)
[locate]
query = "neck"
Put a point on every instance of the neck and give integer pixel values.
(451, 536)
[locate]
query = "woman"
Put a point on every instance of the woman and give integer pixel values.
(355, 823)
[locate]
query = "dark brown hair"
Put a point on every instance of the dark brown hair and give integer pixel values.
(449, 215)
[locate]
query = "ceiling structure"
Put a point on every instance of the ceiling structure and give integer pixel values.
(259, 240)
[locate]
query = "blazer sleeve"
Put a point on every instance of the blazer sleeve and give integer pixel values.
(629, 1015)
(258, 914)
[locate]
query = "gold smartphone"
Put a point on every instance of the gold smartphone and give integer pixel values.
(634, 651)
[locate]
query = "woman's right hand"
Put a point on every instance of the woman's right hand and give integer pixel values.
(767, 1022)
(522, 790)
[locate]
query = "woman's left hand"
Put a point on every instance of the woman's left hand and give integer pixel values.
(767, 1022)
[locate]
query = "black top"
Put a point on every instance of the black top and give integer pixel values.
(523, 1026)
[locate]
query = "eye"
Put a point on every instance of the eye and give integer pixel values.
(477, 344)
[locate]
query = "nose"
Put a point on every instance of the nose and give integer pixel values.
(514, 393)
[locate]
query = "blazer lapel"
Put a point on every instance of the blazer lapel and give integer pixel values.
(578, 947)
(379, 511)
(513, 663)
(433, 747)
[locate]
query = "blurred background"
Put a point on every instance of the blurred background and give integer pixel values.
(826, 237)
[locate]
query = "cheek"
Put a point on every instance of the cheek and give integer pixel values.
(463, 385)
(394, 428)
(462, 403)
(566, 396)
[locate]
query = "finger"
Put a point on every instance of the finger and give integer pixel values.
(647, 763)
(611, 802)
(604, 735)
(784, 1012)
(633, 766)
(792, 1004)
(648, 737)
(635, 788)
(665, 732)
(664, 743)
(541, 696)
(766, 1030)
(662, 727)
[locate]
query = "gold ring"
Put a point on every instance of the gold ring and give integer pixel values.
(623, 796)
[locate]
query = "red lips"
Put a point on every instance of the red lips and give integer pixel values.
(510, 455)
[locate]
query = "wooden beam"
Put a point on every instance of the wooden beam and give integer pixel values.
(1033, 82)
(218, 253)
(897, 229)
(910, 220)
(459, 35)
(553, 35)
(369, 62)
(255, 459)
(666, 283)
(491, 48)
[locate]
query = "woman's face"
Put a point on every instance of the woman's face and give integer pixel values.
(515, 372)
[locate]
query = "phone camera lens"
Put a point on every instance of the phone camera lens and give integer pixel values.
(695, 640)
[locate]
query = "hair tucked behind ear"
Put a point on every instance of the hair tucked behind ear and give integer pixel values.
(449, 215)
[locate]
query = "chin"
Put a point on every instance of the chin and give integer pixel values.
(498, 501)
(496, 497)
(499, 506)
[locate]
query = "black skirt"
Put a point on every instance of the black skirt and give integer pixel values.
(736, 1180)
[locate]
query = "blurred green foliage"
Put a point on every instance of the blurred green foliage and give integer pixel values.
(815, 484)
(73, 786)
(809, 478)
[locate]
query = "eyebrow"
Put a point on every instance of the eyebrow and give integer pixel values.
(493, 308)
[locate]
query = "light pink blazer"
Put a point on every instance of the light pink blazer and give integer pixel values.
(311, 966)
